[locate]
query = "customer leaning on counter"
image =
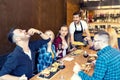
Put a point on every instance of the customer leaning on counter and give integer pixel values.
(21, 60)
(108, 62)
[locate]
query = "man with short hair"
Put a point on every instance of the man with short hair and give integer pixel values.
(21, 60)
(107, 65)
(77, 27)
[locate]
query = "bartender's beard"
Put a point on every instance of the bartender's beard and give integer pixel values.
(76, 22)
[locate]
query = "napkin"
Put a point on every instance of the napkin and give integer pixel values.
(75, 77)
(68, 58)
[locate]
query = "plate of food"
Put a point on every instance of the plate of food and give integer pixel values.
(78, 43)
(45, 73)
(50, 71)
(53, 69)
(78, 51)
(91, 59)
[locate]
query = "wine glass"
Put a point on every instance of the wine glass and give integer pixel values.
(85, 54)
(61, 66)
(60, 46)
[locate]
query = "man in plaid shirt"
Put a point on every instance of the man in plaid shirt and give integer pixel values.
(108, 62)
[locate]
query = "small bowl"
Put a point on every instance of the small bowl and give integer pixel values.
(61, 66)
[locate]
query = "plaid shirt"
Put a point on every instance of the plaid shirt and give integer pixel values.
(45, 58)
(107, 66)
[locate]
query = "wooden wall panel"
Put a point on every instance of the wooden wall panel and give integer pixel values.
(14, 12)
(72, 6)
(52, 14)
(40, 14)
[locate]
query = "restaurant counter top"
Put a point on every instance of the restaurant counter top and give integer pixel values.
(67, 72)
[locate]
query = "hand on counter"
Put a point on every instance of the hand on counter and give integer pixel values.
(89, 41)
(23, 77)
(87, 38)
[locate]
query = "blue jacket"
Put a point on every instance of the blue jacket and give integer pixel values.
(45, 58)
(18, 63)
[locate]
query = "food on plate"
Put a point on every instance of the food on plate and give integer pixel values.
(78, 43)
(53, 69)
(92, 58)
(45, 72)
(83, 66)
(88, 67)
(78, 51)
(55, 64)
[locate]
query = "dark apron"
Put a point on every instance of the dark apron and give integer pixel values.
(78, 34)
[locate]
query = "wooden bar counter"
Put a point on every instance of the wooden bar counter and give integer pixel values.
(67, 72)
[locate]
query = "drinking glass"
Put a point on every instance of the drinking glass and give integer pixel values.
(85, 54)
(61, 77)
(60, 46)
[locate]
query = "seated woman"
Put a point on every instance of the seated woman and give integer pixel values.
(47, 54)
(61, 42)
(113, 37)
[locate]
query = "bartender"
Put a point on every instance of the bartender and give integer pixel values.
(77, 27)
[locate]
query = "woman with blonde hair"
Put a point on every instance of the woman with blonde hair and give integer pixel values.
(113, 37)
(47, 54)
